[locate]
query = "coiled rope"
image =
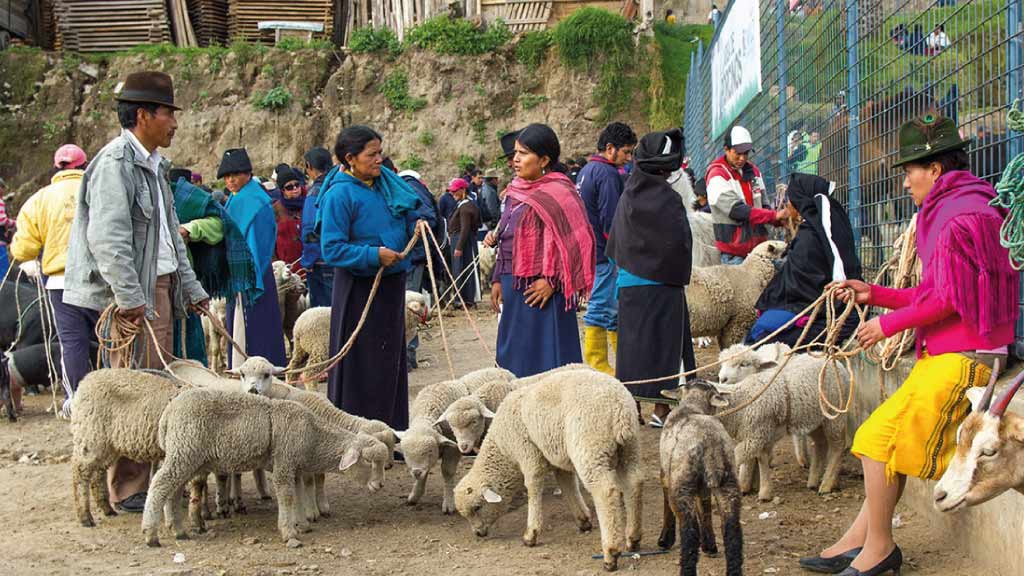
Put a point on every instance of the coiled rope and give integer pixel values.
(1010, 195)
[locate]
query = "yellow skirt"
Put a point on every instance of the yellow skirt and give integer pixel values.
(914, 431)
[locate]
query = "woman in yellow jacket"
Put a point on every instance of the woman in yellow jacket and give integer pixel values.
(44, 227)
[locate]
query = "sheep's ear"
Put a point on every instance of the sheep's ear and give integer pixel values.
(673, 393)
(974, 395)
(279, 371)
(719, 400)
(350, 459)
(766, 363)
(486, 413)
(399, 434)
(491, 496)
(233, 371)
(398, 448)
(442, 419)
(443, 441)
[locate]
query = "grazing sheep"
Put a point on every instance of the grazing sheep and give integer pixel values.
(115, 413)
(422, 445)
(469, 416)
(579, 423)
(696, 463)
(216, 344)
(208, 430)
(789, 406)
(721, 299)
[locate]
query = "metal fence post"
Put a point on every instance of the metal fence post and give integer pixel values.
(780, 59)
(1015, 145)
(853, 116)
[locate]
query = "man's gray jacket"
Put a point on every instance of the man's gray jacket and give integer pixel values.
(115, 237)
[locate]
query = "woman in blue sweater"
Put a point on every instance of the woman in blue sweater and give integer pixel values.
(366, 218)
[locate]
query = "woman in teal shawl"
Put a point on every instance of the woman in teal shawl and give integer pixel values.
(366, 218)
(259, 328)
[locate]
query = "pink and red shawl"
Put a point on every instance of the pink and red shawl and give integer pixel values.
(962, 260)
(554, 239)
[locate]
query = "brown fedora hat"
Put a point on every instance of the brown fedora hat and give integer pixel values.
(148, 88)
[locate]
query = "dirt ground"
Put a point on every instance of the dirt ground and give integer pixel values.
(380, 534)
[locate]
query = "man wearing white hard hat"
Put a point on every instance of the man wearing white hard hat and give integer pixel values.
(44, 228)
(736, 196)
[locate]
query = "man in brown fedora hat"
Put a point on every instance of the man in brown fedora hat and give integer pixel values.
(123, 249)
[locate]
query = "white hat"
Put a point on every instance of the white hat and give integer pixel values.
(739, 140)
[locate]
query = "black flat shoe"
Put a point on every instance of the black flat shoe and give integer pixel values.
(831, 565)
(133, 504)
(892, 563)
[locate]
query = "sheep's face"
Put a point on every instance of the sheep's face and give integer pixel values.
(421, 450)
(480, 505)
(387, 436)
(749, 362)
(257, 375)
(367, 457)
(769, 250)
(699, 397)
(468, 419)
(418, 311)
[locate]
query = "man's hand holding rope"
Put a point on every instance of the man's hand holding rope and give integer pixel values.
(868, 333)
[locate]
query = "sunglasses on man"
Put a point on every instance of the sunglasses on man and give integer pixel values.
(292, 186)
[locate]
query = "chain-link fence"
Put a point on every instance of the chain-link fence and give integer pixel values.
(837, 80)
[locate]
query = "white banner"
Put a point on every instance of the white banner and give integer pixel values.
(735, 64)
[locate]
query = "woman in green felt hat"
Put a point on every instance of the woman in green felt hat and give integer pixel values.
(964, 311)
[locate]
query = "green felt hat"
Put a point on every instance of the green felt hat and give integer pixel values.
(927, 136)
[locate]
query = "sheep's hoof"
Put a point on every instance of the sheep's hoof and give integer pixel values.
(633, 545)
(108, 512)
(447, 508)
(611, 561)
(584, 526)
(199, 529)
(710, 551)
(666, 542)
(764, 497)
(88, 523)
(305, 528)
(181, 536)
(266, 497)
(153, 543)
(530, 538)
(325, 513)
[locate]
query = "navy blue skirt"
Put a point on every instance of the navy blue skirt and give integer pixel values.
(264, 334)
(372, 381)
(535, 340)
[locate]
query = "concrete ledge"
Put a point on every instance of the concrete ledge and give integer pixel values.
(991, 534)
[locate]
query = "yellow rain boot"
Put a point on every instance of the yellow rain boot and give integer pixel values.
(595, 348)
(613, 345)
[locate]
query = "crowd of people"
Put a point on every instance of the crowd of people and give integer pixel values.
(126, 233)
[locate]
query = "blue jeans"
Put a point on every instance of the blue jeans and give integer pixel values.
(75, 329)
(730, 260)
(603, 306)
(320, 283)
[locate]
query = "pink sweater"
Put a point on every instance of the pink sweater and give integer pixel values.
(939, 328)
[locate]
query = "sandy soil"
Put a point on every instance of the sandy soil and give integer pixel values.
(380, 534)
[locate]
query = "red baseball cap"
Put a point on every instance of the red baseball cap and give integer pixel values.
(69, 157)
(458, 184)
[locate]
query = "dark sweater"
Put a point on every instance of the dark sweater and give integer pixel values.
(466, 217)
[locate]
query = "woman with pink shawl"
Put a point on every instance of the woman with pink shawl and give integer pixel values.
(545, 260)
(964, 312)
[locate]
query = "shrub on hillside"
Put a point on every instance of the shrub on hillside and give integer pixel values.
(368, 40)
(532, 47)
(446, 36)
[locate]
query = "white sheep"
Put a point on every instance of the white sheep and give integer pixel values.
(311, 336)
(469, 416)
(790, 405)
(422, 444)
(115, 413)
(216, 344)
(721, 299)
(209, 430)
(488, 258)
(579, 424)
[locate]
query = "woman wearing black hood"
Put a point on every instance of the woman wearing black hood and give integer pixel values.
(822, 252)
(650, 243)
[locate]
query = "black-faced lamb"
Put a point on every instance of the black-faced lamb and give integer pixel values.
(205, 431)
(697, 463)
(790, 406)
(579, 424)
(721, 298)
